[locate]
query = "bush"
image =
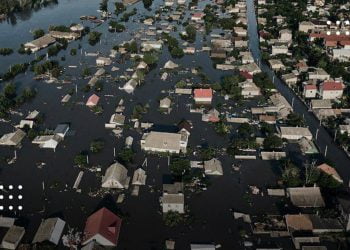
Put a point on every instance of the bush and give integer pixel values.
(94, 37)
(80, 160)
(172, 219)
(6, 51)
(38, 33)
(125, 156)
(96, 146)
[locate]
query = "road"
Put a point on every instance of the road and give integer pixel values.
(324, 141)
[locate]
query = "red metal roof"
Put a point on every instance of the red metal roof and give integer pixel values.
(198, 14)
(203, 93)
(331, 85)
(104, 223)
(93, 100)
(310, 87)
(246, 75)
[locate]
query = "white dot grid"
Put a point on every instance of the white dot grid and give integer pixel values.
(11, 197)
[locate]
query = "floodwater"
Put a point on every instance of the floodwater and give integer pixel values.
(324, 141)
(142, 226)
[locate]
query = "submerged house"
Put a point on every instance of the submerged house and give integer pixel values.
(50, 230)
(47, 141)
(92, 101)
(40, 43)
(116, 176)
(12, 237)
(139, 177)
(164, 142)
(173, 198)
(306, 197)
(102, 227)
(213, 167)
(203, 96)
(12, 139)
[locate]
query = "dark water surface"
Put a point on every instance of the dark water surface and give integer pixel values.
(142, 227)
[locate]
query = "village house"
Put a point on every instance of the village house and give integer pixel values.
(269, 119)
(318, 74)
(129, 2)
(139, 177)
(281, 105)
(115, 120)
(103, 61)
(285, 36)
(49, 230)
(279, 50)
(165, 103)
(12, 139)
(189, 50)
(130, 86)
(170, 65)
(173, 198)
(218, 53)
(203, 247)
(240, 43)
(306, 197)
(249, 89)
(251, 68)
(331, 90)
(310, 91)
(343, 55)
(268, 156)
(221, 43)
(61, 130)
(325, 168)
(321, 104)
(276, 64)
(213, 167)
(116, 176)
(164, 142)
(197, 17)
(142, 66)
(47, 141)
(77, 28)
(294, 133)
(151, 45)
(211, 116)
(344, 208)
(12, 237)
(92, 101)
(240, 31)
(103, 227)
(290, 79)
(301, 66)
(64, 35)
(306, 26)
(344, 128)
(148, 21)
(203, 96)
(40, 43)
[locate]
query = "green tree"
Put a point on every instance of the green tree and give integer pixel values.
(179, 167)
(125, 156)
(172, 219)
(273, 142)
(38, 33)
(97, 146)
